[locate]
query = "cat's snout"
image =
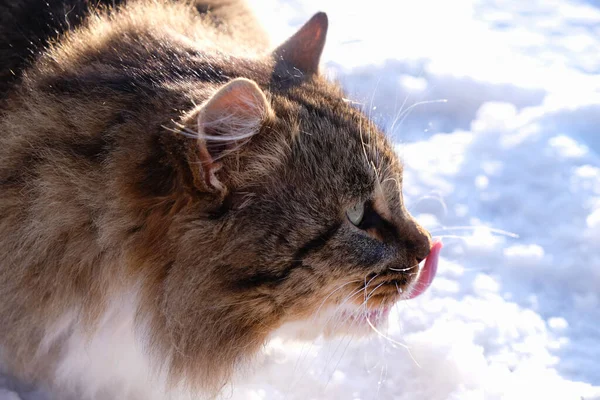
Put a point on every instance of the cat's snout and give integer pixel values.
(418, 240)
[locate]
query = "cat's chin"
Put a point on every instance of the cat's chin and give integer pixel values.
(336, 321)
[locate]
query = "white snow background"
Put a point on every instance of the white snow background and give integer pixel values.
(495, 109)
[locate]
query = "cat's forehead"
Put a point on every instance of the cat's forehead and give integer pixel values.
(326, 111)
(327, 129)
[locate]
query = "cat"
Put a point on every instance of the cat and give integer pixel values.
(173, 191)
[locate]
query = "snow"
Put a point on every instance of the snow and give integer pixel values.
(494, 107)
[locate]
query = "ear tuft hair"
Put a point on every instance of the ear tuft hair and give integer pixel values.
(226, 121)
(234, 113)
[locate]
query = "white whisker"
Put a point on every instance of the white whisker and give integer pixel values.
(392, 341)
(463, 238)
(419, 103)
(475, 228)
(430, 197)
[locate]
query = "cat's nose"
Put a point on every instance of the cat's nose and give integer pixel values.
(418, 240)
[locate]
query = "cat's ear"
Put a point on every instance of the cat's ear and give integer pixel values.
(303, 50)
(225, 122)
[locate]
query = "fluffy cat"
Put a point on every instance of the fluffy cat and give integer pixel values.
(172, 192)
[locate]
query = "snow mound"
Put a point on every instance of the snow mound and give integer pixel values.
(495, 108)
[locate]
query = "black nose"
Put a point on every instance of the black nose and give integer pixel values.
(418, 241)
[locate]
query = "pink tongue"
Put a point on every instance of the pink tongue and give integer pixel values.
(427, 273)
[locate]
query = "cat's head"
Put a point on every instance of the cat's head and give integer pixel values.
(301, 215)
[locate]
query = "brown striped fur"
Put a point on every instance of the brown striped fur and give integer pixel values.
(104, 192)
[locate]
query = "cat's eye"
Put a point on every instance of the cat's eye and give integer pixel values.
(356, 213)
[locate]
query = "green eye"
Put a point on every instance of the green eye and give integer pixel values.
(356, 212)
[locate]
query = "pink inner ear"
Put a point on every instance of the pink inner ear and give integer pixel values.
(238, 101)
(226, 122)
(235, 110)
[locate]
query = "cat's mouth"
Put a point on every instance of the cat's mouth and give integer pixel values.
(370, 308)
(383, 291)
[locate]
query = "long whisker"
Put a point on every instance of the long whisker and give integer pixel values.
(332, 293)
(363, 144)
(400, 111)
(340, 343)
(339, 360)
(342, 319)
(347, 344)
(303, 353)
(403, 269)
(384, 366)
(334, 314)
(399, 114)
(408, 110)
(398, 289)
(348, 298)
(368, 295)
(474, 228)
(376, 287)
(373, 96)
(182, 131)
(464, 238)
(392, 341)
(427, 197)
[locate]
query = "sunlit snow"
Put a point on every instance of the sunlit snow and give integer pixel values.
(494, 107)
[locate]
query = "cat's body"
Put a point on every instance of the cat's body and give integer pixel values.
(28, 26)
(171, 192)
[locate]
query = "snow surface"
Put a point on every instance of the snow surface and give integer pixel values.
(495, 109)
